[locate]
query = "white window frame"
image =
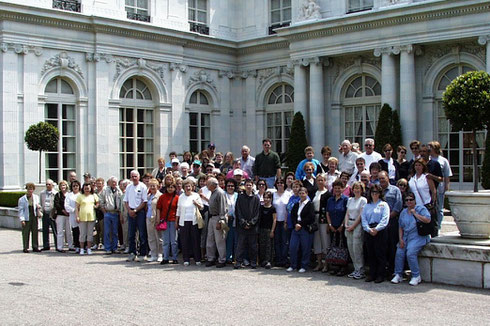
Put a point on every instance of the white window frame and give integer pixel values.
(363, 5)
(285, 110)
(361, 103)
(202, 109)
(132, 133)
(192, 5)
(282, 9)
(138, 10)
(62, 101)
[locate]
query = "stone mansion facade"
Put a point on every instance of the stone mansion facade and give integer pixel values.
(127, 81)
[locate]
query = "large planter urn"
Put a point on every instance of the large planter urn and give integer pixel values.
(471, 212)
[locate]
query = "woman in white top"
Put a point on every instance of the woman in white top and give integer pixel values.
(321, 238)
(423, 187)
(231, 239)
(189, 201)
(353, 230)
(70, 206)
(332, 173)
(280, 200)
(388, 164)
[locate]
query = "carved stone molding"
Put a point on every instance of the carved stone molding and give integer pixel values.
(226, 73)
(410, 48)
(181, 67)
(248, 73)
(64, 61)
(126, 63)
(201, 77)
(96, 57)
(484, 39)
(309, 10)
(391, 50)
(21, 48)
(434, 53)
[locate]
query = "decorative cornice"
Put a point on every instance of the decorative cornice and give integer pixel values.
(248, 73)
(247, 49)
(126, 63)
(228, 73)
(201, 77)
(178, 66)
(96, 57)
(390, 50)
(410, 48)
(64, 61)
(21, 48)
(295, 33)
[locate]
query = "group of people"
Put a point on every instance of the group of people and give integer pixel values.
(220, 210)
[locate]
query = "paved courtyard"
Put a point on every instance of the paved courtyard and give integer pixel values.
(67, 289)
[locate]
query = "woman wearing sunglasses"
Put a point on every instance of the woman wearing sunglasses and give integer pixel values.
(410, 242)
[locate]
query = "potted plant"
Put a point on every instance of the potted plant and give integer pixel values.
(466, 103)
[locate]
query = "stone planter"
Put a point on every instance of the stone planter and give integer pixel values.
(471, 212)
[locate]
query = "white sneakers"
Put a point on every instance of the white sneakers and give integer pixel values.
(160, 258)
(290, 269)
(415, 280)
(186, 263)
(131, 257)
(152, 259)
(82, 251)
(302, 270)
(89, 251)
(397, 279)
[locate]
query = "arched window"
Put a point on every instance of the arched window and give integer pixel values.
(59, 111)
(361, 104)
(456, 145)
(199, 121)
(279, 116)
(136, 127)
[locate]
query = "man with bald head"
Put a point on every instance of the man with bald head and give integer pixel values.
(347, 158)
(216, 239)
(247, 161)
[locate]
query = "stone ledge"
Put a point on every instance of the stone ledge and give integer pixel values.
(466, 252)
(9, 218)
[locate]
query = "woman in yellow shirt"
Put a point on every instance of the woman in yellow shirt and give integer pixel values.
(87, 201)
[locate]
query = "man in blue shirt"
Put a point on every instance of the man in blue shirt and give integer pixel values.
(393, 197)
(310, 154)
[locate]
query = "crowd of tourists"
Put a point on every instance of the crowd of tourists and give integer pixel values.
(374, 210)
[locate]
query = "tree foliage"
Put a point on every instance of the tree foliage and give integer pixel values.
(466, 101)
(396, 133)
(42, 137)
(383, 132)
(297, 142)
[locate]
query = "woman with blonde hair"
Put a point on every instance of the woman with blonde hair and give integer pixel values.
(62, 218)
(154, 235)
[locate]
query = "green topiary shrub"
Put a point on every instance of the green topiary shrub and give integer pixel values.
(466, 102)
(10, 198)
(396, 133)
(485, 169)
(42, 137)
(382, 136)
(297, 142)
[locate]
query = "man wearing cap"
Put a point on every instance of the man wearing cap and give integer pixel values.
(171, 156)
(247, 161)
(216, 239)
(175, 165)
(267, 164)
(196, 170)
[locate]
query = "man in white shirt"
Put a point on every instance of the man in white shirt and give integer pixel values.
(347, 158)
(135, 199)
(247, 161)
(370, 155)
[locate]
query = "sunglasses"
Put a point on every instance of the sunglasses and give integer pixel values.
(403, 152)
(409, 199)
(368, 145)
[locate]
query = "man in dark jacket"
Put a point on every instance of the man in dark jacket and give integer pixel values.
(247, 215)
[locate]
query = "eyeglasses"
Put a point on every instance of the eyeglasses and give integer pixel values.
(402, 185)
(375, 192)
(280, 183)
(388, 150)
(368, 145)
(409, 199)
(403, 152)
(261, 184)
(413, 148)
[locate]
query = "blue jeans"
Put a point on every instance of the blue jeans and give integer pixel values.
(169, 238)
(111, 221)
(411, 251)
(231, 243)
(280, 243)
(138, 222)
(303, 238)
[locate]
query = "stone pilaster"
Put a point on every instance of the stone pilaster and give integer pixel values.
(389, 89)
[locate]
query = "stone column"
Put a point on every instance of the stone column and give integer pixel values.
(179, 123)
(389, 89)
(300, 97)
(408, 110)
(9, 121)
(250, 109)
(223, 128)
(317, 110)
(482, 40)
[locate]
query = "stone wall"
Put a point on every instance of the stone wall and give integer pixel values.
(9, 218)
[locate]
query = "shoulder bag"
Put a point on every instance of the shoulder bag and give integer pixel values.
(424, 229)
(199, 219)
(338, 254)
(162, 226)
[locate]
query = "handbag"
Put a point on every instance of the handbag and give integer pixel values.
(312, 228)
(338, 254)
(162, 226)
(424, 229)
(199, 219)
